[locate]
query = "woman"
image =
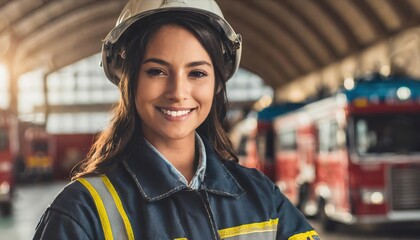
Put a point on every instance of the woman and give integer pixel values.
(165, 168)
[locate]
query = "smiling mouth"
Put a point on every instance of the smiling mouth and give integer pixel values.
(173, 113)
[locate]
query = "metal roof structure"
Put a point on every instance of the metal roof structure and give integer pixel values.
(283, 39)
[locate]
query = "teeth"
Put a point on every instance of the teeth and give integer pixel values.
(175, 113)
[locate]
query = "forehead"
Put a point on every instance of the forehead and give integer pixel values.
(175, 39)
(171, 32)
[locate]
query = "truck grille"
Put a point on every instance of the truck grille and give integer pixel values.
(405, 188)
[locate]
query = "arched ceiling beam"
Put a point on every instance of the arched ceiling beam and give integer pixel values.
(68, 24)
(263, 66)
(267, 38)
(50, 13)
(372, 17)
(258, 7)
(404, 12)
(12, 11)
(100, 23)
(3, 3)
(270, 77)
(326, 42)
(77, 52)
(275, 57)
(53, 61)
(255, 43)
(351, 39)
(267, 62)
(44, 56)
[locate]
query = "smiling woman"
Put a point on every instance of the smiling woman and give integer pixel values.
(173, 97)
(165, 167)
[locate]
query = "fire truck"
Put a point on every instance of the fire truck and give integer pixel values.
(354, 157)
(37, 149)
(9, 152)
(243, 136)
(253, 138)
(70, 150)
(264, 136)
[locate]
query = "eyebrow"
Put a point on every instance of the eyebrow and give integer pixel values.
(165, 63)
(156, 60)
(198, 63)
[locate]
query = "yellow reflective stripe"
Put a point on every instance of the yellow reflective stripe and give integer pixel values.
(180, 239)
(106, 226)
(270, 225)
(304, 236)
(120, 207)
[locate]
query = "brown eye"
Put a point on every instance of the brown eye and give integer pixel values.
(155, 72)
(198, 74)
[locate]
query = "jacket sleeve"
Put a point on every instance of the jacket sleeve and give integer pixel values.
(292, 224)
(72, 215)
(58, 225)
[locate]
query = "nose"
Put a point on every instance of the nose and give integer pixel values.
(178, 87)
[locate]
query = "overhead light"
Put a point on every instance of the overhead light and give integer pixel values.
(349, 83)
(385, 70)
(263, 102)
(403, 93)
(4, 74)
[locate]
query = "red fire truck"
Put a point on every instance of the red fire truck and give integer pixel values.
(37, 148)
(354, 157)
(243, 136)
(264, 136)
(253, 138)
(9, 152)
(70, 149)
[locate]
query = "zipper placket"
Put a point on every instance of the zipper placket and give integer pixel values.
(209, 212)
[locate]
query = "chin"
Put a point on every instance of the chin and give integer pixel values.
(177, 136)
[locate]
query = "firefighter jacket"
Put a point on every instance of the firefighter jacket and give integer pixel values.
(143, 199)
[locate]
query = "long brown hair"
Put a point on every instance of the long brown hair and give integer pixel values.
(124, 129)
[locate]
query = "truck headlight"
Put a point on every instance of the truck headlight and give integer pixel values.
(6, 166)
(373, 196)
(4, 188)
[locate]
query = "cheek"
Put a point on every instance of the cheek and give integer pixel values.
(207, 93)
(138, 97)
(206, 96)
(138, 107)
(141, 97)
(146, 91)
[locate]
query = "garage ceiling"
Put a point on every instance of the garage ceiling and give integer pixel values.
(283, 39)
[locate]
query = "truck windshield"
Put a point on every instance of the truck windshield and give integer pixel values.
(4, 139)
(40, 146)
(391, 133)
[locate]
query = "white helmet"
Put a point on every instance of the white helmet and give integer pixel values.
(136, 10)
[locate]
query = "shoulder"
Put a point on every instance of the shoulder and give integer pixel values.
(75, 195)
(71, 213)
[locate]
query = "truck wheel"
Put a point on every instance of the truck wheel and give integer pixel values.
(6, 208)
(303, 196)
(326, 222)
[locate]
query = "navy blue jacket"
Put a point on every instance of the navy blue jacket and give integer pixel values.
(233, 202)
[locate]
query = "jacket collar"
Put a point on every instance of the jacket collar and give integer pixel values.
(156, 181)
